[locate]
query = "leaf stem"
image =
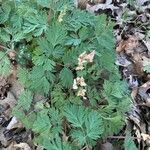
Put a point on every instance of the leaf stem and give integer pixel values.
(121, 137)
(3, 47)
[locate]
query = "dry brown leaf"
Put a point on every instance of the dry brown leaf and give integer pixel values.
(104, 6)
(10, 147)
(128, 45)
(143, 91)
(131, 44)
(121, 46)
(14, 123)
(146, 137)
(122, 61)
(23, 146)
(141, 2)
(138, 134)
(83, 3)
(147, 43)
(134, 93)
(39, 147)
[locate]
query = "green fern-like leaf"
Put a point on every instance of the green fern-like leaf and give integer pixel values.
(42, 123)
(113, 125)
(129, 143)
(54, 36)
(66, 77)
(58, 97)
(147, 68)
(87, 124)
(78, 19)
(94, 125)
(39, 81)
(75, 115)
(56, 144)
(56, 121)
(4, 12)
(5, 66)
(25, 100)
(36, 24)
(58, 5)
(23, 77)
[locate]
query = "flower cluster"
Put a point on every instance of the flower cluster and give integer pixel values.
(79, 83)
(61, 15)
(83, 58)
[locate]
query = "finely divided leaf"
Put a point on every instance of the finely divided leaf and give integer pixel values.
(42, 123)
(4, 12)
(56, 34)
(79, 136)
(44, 3)
(88, 125)
(94, 125)
(75, 115)
(129, 143)
(5, 66)
(25, 100)
(66, 77)
(23, 76)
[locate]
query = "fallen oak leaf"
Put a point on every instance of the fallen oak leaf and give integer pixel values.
(106, 5)
(131, 44)
(143, 91)
(23, 146)
(146, 137)
(128, 45)
(122, 61)
(121, 46)
(12, 123)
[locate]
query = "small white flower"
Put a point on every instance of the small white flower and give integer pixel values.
(80, 81)
(75, 87)
(81, 92)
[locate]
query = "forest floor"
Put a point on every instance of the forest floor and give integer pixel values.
(132, 33)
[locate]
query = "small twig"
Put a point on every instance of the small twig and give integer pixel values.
(147, 105)
(3, 47)
(122, 137)
(49, 16)
(85, 147)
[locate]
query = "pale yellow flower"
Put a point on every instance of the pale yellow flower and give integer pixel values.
(81, 92)
(80, 81)
(61, 15)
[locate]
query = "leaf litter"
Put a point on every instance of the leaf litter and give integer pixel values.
(132, 28)
(132, 19)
